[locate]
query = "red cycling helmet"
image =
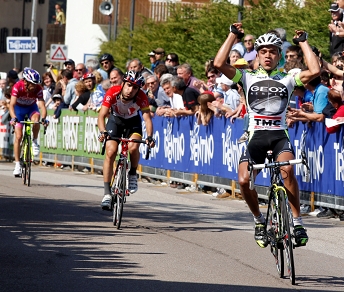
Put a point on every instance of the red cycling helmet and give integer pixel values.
(87, 76)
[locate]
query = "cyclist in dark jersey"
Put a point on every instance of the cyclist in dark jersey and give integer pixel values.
(268, 91)
(121, 105)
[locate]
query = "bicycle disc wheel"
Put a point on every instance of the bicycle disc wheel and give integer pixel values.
(287, 238)
(28, 161)
(121, 193)
(273, 226)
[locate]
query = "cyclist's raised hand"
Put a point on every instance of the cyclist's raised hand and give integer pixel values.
(237, 29)
(150, 141)
(300, 37)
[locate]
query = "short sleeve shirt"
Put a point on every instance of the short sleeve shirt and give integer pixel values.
(25, 98)
(125, 110)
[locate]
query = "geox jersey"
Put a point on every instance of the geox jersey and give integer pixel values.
(125, 110)
(267, 97)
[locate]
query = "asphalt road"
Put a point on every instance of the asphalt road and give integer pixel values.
(55, 237)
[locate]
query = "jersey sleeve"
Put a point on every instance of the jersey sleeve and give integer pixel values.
(238, 75)
(142, 101)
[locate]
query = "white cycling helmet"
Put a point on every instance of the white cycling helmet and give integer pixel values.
(268, 39)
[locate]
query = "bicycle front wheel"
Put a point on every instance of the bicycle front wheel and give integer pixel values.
(23, 161)
(287, 238)
(273, 231)
(121, 194)
(28, 161)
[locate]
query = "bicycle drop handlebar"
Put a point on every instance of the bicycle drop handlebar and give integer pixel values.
(127, 140)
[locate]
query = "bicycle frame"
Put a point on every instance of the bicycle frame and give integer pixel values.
(279, 217)
(119, 181)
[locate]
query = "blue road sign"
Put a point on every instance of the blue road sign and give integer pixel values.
(22, 44)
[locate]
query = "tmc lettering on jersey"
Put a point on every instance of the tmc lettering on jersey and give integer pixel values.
(50, 137)
(267, 122)
(70, 126)
(202, 149)
(91, 143)
(173, 146)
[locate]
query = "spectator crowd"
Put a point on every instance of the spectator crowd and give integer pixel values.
(174, 91)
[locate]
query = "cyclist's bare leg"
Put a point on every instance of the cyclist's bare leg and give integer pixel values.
(134, 151)
(290, 183)
(35, 127)
(110, 156)
(18, 130)
(250, 196)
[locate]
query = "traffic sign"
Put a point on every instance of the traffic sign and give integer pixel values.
(22, 44)
(58, 52)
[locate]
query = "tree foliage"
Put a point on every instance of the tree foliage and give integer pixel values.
(197, 34)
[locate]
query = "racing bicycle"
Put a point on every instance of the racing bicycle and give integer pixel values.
(26, 157)
(279, 218)
(119, 180)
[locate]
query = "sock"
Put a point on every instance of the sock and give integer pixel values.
(259, 219)
(17, 163)
(34, 141)
(107, 190)
(132, 171)
(297, 221)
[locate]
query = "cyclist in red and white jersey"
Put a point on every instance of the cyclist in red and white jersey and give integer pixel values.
(124, 103)
(26, 100)
(267, 92)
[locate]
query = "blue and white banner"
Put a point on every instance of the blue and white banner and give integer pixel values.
(184, 146)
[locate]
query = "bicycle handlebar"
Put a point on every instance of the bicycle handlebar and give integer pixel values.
(277, 164)
(127, 140)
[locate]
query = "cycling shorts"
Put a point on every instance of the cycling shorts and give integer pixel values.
(22, 111)
(120, 127)
(263, 141)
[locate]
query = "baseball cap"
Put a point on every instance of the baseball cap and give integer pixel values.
(224, 80)
(334, 7)
(69, 61)
(159, 51)
(151, 53)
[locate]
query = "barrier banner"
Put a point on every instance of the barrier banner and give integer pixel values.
(184, 146)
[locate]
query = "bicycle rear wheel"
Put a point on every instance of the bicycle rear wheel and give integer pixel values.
(273, 226)
(287, 238)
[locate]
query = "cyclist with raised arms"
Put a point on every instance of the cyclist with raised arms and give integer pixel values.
(124, 103)
(267, 92)
(27, 100)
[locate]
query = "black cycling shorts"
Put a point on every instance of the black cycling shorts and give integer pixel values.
(263, 141)
(119, 127)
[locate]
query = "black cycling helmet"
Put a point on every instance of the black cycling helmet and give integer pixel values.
(106, 57)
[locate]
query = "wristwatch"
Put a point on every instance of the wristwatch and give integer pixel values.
(337, 33)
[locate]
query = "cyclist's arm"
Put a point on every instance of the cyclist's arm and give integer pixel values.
(13, 102)
(148, 121)
(42, 108)
(312, 62)
(103, 113)
(220, 61)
